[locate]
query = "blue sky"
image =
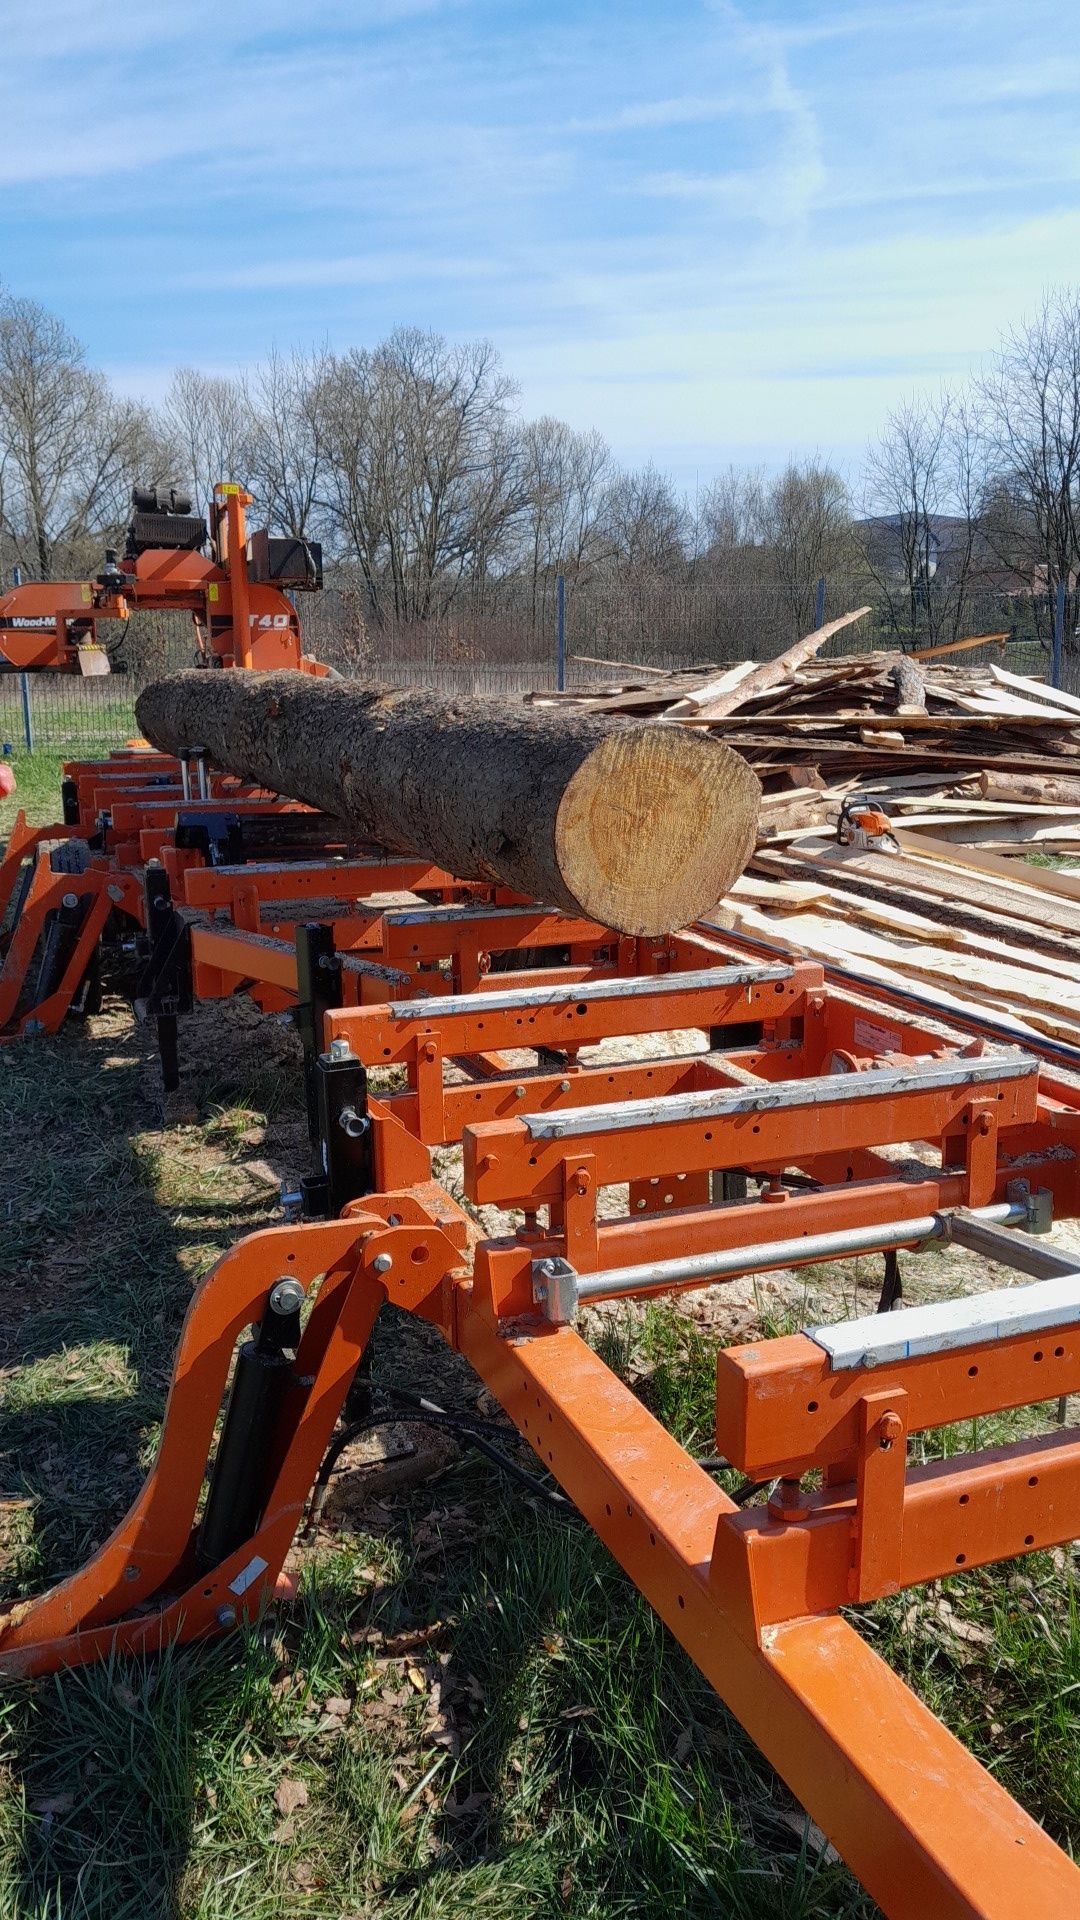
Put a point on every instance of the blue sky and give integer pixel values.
(715, 229)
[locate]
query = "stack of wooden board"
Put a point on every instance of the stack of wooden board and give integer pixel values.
(866, 715)
(964, 924)
(978, 769)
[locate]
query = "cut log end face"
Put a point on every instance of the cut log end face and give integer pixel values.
(650, 832)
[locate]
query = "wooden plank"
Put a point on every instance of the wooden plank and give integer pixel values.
(770, 672)
(960, 646)
(1037, 689)
(1045, 878)
(712, 690)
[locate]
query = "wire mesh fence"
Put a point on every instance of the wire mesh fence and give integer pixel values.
(500, 652)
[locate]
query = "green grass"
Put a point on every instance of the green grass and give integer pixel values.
(549, 1751)
(37, 790)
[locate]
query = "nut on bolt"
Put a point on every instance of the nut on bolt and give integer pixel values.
(340, 1050)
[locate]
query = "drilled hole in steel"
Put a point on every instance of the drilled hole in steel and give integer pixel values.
(972, 1371)
(1037, 1355)
(1029, 1539)
(960, 1559)
(964, 1498)
(811, 1406)
(386, 1053)
(419, 1254)
(652, 1539)
(582, 1007)
(1058, 1351)
(629, 1510)
(1034, 1480)
(682, 1602)
(607, 1509)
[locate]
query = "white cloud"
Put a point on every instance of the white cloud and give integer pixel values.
(719, 228)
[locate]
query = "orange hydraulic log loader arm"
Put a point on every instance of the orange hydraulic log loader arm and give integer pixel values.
(237, 593)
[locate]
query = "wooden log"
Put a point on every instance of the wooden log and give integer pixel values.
(1040, 789)
(640, 827)
(909, 684)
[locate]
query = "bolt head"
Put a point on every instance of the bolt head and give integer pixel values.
(382, 1262)
(340, 1050)
(286, 1296)
(226, 1617)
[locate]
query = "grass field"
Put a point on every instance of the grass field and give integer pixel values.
(468, 1710)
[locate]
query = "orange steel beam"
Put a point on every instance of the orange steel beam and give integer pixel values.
(871, 1764)
(392, 1034)
(923, 1825)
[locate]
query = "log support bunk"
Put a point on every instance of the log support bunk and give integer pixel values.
(810, 1088)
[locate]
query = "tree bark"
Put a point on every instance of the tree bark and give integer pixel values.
(1040, 789)
(642, 827)
(909, 684)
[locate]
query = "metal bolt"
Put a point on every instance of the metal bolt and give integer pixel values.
(383, 1262)
(519, 1093)
(226, 1616)
(286, 1296)
(564, 1086)
(393, 1219)
(340, 1050)
(71, 899)
(890, 1427)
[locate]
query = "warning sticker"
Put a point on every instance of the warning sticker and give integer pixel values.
(874, 1039)
(247, 1576)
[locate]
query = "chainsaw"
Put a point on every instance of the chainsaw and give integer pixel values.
(863, 823)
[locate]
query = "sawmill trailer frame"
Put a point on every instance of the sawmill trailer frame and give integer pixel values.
(621, 1180)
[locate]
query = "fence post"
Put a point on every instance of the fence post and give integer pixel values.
(27, 714)
(560, 632)
(819, 605)
(1059, 635)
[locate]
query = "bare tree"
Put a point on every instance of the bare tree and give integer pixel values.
(644, 524)
(1032, 400)
(921, 538)
(287, 435)
(208, 419)
(423, 478)
(563, 474)
(806, 528)
(71, 449)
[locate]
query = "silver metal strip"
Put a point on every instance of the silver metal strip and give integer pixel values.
(782, 1096)
(590, 992)
(907, 1333)
(442, 916)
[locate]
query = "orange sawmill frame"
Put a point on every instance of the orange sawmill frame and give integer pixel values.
(807, 1086)
(752, 1592)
